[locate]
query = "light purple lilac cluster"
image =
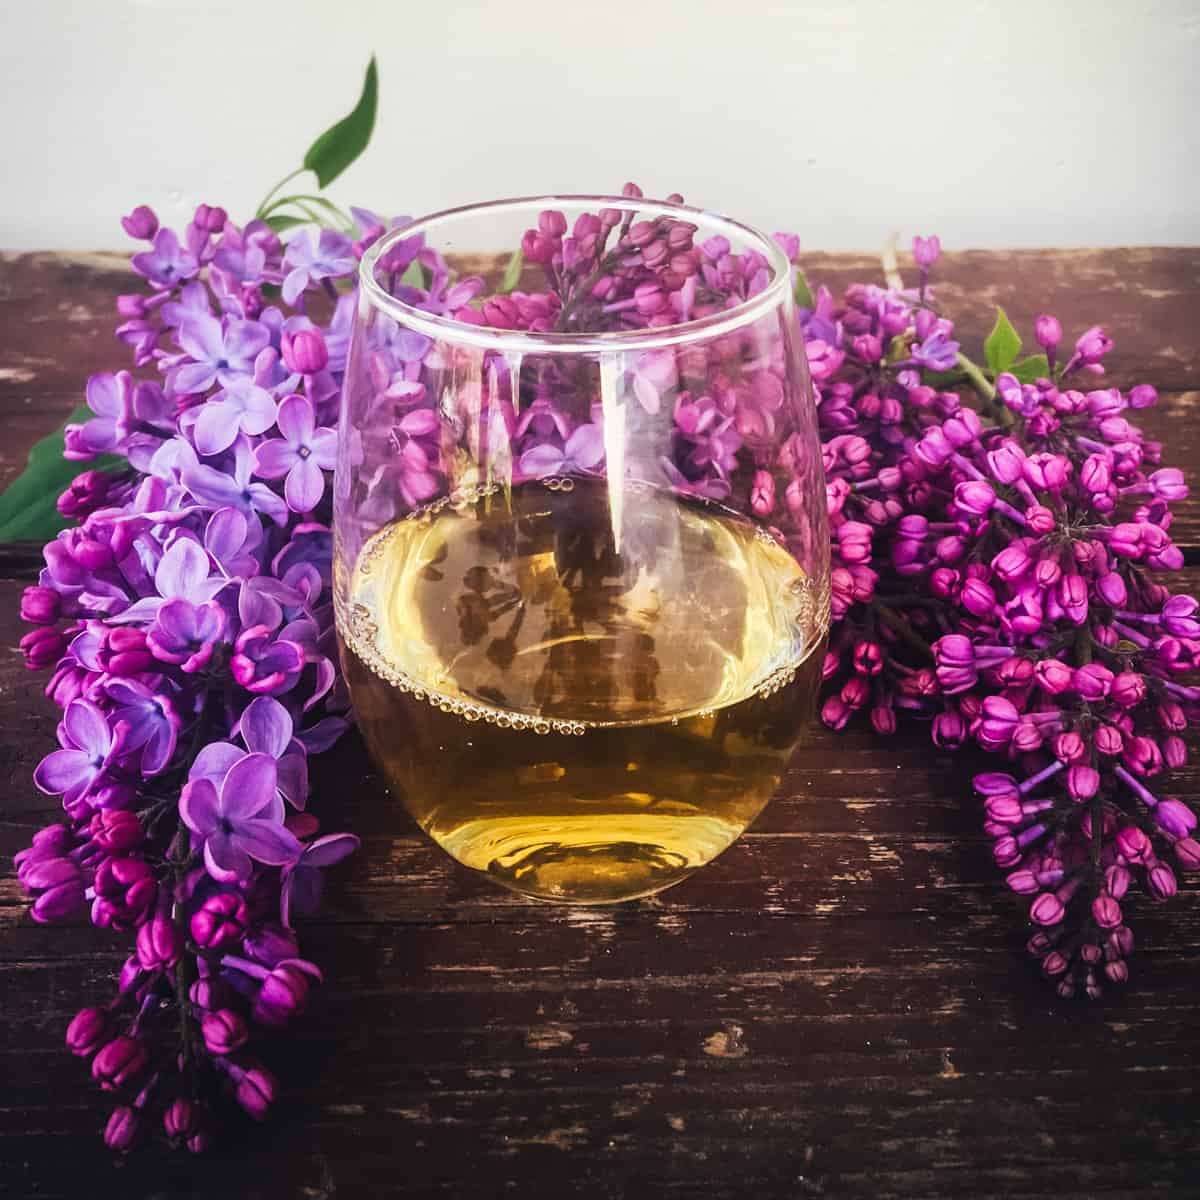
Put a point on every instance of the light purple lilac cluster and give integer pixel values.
(999, 573)
(187, 619)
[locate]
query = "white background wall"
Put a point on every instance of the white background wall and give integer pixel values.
(992, 122)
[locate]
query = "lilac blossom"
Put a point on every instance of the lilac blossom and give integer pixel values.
(311, 258)
(300, 456)
(239, 819)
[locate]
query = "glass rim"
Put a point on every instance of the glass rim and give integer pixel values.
(447, 328)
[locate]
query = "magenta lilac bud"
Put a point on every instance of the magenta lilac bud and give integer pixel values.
(1187, 851)
(88, 1031)
(159, 943)
(305, 351)
(43, 647)
(123, 1129)
(1069, 748)
(116, 831)
(182, 1119)
(119, 1062)
(1174, 818)
(1106, 912)
(1048, 331)
(1093, 682)
(220, 921)
(255, 1091)
(1161, 880)
(224, 1031)
(1047, 909)
(40, 605)
(141, 223)
(926, 251)
(283, 994)
(1083, 783)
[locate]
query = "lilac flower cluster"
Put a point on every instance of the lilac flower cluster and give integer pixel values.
(996, 574)
(187, 619)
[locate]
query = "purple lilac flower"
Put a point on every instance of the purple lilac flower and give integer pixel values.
(167, 263)
(153, 724)
(89, 747)
(303, 880)
(301, 455)
(239, 819)
(219, 351)
(309, 261)
(234, 487)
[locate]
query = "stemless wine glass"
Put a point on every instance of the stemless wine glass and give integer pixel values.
(581, 556)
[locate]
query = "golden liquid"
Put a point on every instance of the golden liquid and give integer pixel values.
(582, 722)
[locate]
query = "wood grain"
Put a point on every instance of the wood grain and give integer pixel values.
(839, 1006)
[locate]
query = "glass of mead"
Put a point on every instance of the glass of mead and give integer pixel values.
(581, 571)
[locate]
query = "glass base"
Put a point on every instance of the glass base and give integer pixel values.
(565, 862)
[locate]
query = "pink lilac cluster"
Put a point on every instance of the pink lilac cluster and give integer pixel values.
(613, 270)
(186, 618)
(1001, 571)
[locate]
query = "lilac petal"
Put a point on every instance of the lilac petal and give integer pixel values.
(62, 770)
(200, 336)
(104, 396)
(215, 428)
(294, 284)
(268, 503)
(301, 892)
(208, 484)
(324, 448)
(304, 486)
(292, 778)
(296, 420)
(244, 339)
(542, 460)
(159, 748)
(258, 409)
(225, 533)
(331, 848)
(182, 570)
(585, 447)
(256, 606)
(86, 727)
(214, 761)
(421, 422)
(129, 693)
(318, 738)
(268, 842)
(274, 459)
(646, 394)
(210, 622)
(194, 378)
(176, 622)
(199, 806)
(248, 787)
(225, 858)
(266, 727)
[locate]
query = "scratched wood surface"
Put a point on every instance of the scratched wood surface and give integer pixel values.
(838, 1007)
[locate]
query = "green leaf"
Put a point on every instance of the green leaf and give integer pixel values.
(512, 273)
(281, 223)
(1003, 344)
(342, 143)
(1031, 369)
(27, 507)
(803, 293)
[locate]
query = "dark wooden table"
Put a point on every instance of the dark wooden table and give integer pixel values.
(839, 1006)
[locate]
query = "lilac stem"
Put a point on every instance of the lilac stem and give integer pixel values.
(1044, 774)
(1143, 793)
